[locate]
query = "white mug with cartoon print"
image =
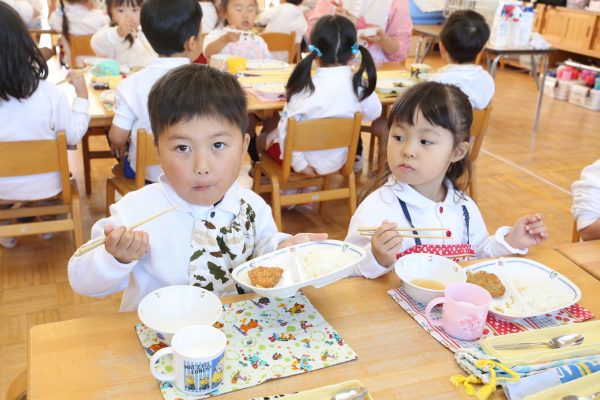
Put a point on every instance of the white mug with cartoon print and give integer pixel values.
(465, 309)
(198, 352)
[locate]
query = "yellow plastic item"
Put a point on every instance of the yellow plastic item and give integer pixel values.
(236, 64)
(540, 354)
(326, 392)
(584, 386)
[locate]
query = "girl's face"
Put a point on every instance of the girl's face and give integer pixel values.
(241, 14)
(421, 154)
(126, 13)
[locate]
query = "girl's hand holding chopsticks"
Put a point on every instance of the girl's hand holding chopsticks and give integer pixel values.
(386, 242)
(76, 78)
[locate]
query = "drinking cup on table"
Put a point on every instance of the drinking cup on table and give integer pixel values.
(198, 352)
(236, 64)
(465, 309)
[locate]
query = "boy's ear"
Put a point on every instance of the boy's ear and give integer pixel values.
(245, 144)
(460, 151)
(194, 43)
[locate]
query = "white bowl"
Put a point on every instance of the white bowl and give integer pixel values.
(168, 309)
(427, 266)
(319, 263)
(219, 61)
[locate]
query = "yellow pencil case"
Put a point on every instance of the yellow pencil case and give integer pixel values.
(541, 354)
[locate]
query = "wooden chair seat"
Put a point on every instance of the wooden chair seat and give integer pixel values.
(79, 46)
(310, 135)
(37, 157)
(479, 126)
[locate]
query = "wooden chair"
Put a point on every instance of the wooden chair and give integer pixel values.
(310, 135)
(80, 45)
(575, 236)
(146, 155)
(478, 128)
(38, 157)
(283, 42)
(18, 387)
(89, 154)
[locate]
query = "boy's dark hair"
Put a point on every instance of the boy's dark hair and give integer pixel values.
(441, 105)
(335, 37)
(294, 2)
(464, 35)
(21, 62)
(168, 24)
(118, 3)
(195, 90)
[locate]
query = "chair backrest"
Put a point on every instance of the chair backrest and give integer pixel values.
(321, 134)
(478, 129)
(80, 45)
(32, 157)
(146, 154)
(282, 42)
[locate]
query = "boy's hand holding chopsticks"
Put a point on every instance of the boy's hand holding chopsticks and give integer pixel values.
(126, 245)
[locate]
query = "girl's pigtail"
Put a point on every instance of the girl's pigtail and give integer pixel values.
(65, 21)
(368, 65)
(300, 80)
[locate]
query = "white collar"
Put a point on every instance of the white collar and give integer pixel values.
(168, 62)
(409, 195)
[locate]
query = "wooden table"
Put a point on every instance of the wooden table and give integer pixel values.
(101, 357)
(584, 254)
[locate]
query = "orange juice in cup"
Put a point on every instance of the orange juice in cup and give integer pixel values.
(236, 64)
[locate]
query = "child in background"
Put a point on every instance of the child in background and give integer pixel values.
(199, 122)
(172, 27)
(209, 15)
(32, 109)
(123, 40)
(462, 38)
(285, 18)
(334, 91)
(238, 15)
(586, 202)
(23, 8)
(426, 159)
(76, 17)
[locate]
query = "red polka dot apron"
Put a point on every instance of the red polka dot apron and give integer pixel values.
(456, 252)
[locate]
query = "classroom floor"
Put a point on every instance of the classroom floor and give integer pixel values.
(518, 173)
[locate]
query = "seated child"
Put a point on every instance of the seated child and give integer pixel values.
(285, 18)
(463, 36)
(173, 30)
(76, 17)
(23, 7)
(199, 120)
(123, 40)
(33, 109)
(335, 91)
(427, 151)
(586, 202)
(239, 15)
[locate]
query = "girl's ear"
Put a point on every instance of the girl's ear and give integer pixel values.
(460, 151)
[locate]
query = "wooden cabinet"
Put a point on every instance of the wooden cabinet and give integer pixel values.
(570, 29)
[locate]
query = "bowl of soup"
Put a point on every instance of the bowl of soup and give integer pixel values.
(425, 276)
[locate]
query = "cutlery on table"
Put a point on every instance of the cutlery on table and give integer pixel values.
(568, 340)
(574, 397)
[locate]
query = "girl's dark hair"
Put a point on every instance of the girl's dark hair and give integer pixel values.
(117, 3)
(335, 37)
(223, 9)
(21, 62)
(441, 105)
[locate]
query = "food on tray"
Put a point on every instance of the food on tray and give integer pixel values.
(322, 261)
(488, 281)
(265, 277)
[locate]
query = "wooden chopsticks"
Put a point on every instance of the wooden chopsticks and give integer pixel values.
(99, 242)
(446, 232)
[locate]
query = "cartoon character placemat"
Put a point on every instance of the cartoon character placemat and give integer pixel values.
(493, 326)
(267, 339)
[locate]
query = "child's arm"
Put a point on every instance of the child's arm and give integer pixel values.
(591, 232)
(118, 141)
(264, 17)
(301, 238)
(123, 120)
(527, 232)
(75, 119)
(386, 242)
(216, 46)
(98, 272)
(371, 107)
(586, 202)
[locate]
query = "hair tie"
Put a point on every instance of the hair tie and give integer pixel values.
(355, 48)
(312, 48)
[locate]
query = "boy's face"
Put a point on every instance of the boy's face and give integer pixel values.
(202, 158)
(241, 14)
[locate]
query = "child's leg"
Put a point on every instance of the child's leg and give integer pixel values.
(7, 242)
